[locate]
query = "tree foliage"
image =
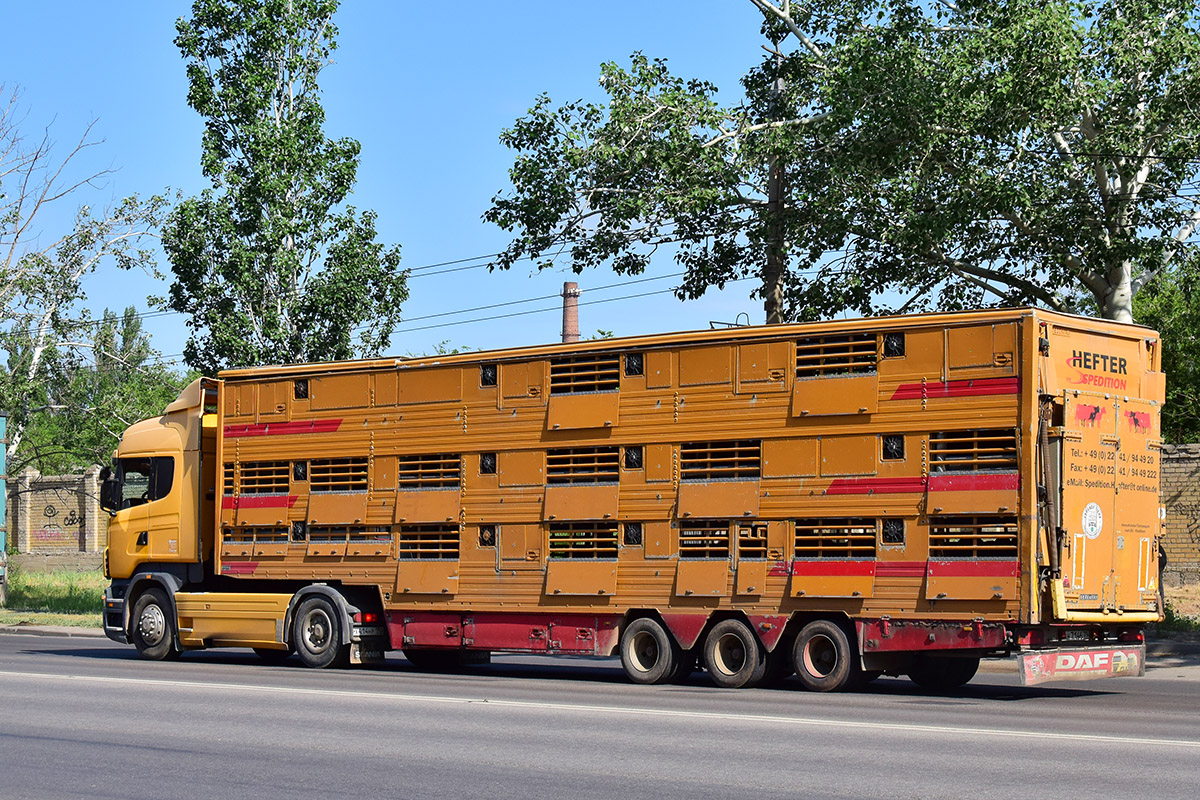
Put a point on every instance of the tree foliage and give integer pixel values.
(89, 392)
(44, 332)
(889, 155)
(270, 263)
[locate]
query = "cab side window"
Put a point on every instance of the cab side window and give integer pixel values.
(145, 479)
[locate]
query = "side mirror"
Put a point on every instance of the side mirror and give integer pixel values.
(110, 494)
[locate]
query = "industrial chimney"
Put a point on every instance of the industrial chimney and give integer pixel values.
(570, 326)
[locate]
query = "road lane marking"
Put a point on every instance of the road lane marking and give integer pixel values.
(613, 710)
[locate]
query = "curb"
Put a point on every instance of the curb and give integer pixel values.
(53, 630)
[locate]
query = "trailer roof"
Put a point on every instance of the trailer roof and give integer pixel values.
(672, 339)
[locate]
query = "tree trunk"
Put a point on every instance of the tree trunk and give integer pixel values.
(1117, 302)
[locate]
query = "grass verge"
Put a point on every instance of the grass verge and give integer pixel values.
(68, 598)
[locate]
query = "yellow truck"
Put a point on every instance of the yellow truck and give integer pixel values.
(840, 500)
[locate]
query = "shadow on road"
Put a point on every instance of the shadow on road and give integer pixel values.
(583, 670)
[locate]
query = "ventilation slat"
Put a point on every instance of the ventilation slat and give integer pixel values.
(752, 541)
(972, 451)
(338, 475)
(973, 537)
(434, 471)
(708, 461)
(704, 539)
(852, 537)
(257, 477)
(583, 465)
(585, 373)
(840, 354)
(583, 540)
(421, 542)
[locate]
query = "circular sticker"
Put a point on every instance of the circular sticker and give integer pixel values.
(1093, 520)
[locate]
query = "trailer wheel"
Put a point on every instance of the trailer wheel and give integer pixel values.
(153, 626)
(942, 673)
(732, 655)
(823, 657)
(648, 653)
(317, 634)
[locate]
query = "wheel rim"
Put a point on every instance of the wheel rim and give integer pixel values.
(644, 651)
(820, 656)
(152, 625)
(729, 654)
(317, 630)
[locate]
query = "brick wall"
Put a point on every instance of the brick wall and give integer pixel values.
(57, 513)
(1181, 496)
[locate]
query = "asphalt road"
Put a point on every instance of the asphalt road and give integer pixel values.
(86, 718)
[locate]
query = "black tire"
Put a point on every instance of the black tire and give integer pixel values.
(824, 659)
(942, 673)
(273, 656)
(317, 634)
(733, 655)
(152, 626)
(648, 653)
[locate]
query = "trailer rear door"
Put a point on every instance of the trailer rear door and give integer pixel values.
(1110, 398)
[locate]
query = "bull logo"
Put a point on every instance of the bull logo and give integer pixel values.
(1089, 415)
(1139, 421)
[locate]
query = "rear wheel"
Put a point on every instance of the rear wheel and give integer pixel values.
(649, 654)
(153, 626)
(942, 673)
(733, 656)
(823, 658)
(317, 634)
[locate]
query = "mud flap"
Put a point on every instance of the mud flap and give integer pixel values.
(1081, 664)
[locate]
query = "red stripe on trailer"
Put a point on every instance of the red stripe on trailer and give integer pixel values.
(1001, 481)
(239, 567)
(968, 388)
(934, 483)
(834, 567)
(260, 501)
(283, 428)
(970, 568)
(900, 569)
(876, 486)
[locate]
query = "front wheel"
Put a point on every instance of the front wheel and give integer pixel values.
(317, 634)
(153, 626)
(823, 658)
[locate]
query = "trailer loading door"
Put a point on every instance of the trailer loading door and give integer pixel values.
(1109, 504)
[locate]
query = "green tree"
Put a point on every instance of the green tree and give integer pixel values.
(889, 155)
(95, 389)
(1171, 305)
(43, 331)
(269, 263)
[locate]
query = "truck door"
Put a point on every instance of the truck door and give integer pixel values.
(1089, 500)
(1134, 583)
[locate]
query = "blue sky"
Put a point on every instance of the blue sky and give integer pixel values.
(426, 88)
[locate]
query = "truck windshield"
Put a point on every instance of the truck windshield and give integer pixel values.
(144, 479)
